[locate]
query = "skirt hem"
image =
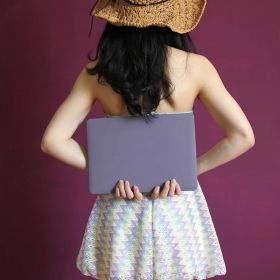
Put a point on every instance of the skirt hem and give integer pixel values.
(127, 277)
(186, 276)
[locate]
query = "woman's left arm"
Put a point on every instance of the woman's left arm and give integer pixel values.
(57, 139)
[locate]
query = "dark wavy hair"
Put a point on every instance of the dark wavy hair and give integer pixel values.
(133, 61)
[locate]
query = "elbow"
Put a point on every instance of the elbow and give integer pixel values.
(50, 145)
(246, 140)
(247, 137)
(249, 140)
(45, 145)
(252, 142)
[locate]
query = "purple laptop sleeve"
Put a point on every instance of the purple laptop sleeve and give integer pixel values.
(144, 153)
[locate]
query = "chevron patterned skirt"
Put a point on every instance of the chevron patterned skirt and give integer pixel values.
(170, 238)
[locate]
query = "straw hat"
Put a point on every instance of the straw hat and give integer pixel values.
(179, 15)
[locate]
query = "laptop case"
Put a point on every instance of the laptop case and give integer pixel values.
(144, 153)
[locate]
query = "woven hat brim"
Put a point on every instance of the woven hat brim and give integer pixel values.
(180, 15)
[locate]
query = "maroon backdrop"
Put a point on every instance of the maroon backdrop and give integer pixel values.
(45, 203)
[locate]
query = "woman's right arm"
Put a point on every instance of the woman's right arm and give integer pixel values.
(238, 133)
(57, 140)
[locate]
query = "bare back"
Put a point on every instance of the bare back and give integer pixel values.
(182, 99)
(192, 75)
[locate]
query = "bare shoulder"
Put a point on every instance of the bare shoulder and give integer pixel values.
(91, 64)
(89, 79)
(216, 98)
(94, 77)
(199, 63)
(204, 72)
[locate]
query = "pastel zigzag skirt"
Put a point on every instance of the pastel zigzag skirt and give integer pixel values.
(170, 238)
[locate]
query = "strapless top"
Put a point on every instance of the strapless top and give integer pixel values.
(185, 112)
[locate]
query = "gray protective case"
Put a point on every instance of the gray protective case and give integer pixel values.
(144, 153)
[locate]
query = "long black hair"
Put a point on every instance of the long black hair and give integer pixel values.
(133, 61)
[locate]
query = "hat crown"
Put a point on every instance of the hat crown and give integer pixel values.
(144, 2)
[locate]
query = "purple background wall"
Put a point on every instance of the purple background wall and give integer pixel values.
(45, 203)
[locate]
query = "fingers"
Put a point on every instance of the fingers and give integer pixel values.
(118, 193)
(123, 190)
(155, 193)
(120, 185)
(171, 187)
(178, 189)
(129, 193)
(137, 193)
(165, 189)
